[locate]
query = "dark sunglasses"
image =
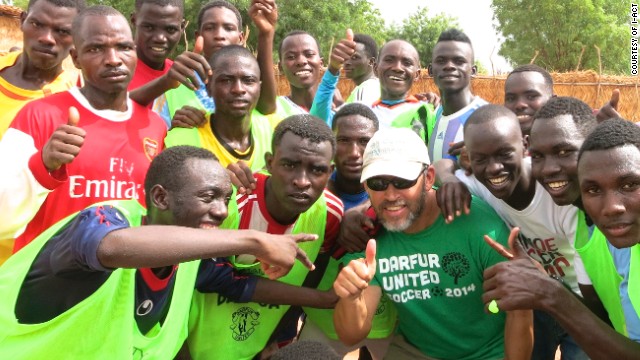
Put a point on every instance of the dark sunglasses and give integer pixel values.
(380, 184)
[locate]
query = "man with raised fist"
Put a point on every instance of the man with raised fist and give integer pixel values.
(431, 270)
(79, 147)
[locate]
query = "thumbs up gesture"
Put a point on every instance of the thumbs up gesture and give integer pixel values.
(187, 65)
(342, 52)
(355, 277)
(64, 144)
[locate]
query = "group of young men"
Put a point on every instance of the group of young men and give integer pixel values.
(155, 208)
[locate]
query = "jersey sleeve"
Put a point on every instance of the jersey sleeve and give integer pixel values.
(219, 276)
(335, 211)
(323, 99)
(76, 248)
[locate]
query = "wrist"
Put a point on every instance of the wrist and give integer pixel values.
(555, 295)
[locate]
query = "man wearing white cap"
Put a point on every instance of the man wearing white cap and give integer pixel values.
(431, 270)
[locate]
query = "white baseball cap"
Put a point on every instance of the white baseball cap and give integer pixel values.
(398, 152)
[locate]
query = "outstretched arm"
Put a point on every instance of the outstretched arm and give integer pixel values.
(275, 292)
(264, 14)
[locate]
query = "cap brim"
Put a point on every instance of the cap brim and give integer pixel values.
(404, 170)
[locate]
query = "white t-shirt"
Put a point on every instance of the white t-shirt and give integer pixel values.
(547, 230)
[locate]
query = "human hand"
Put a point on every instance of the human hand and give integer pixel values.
(460, 150)
(264, 14)
(342, 52)
(188, 117)
(356, 229)
(64, 144)
(610, 109)
(356, 276)
(242, 177)
(518, 284)
(277, 253)
(453, 198)
(186, 65)
(430, 97)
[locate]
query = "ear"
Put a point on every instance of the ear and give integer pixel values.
(372, 62)
(132, 18)
(183, 25)
(474, 70)
(322, 61)
(242, 40)
(430, 178)
(74, 57)
(280, 66)
(430, 70)
(23, 17)
(525, 143)
(417, 75)
(268, 160)
(159, 197)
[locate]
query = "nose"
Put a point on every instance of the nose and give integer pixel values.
(521, 104)
(46, 36)
(612, 204)
(301, 180)
(218, 211)
(494, 167)
(159, 37)
(237, 87)
(549, 167)
(355, 150)
(391, 194)
(112, 57)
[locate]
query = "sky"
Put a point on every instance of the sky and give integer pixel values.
(475, 18)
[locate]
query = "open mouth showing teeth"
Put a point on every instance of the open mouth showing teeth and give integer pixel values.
(396, 78)
(394, 208)
(556, 185)
(524, 117)
(158, 49)
(303, 73)
(498, 180)
(208, 226)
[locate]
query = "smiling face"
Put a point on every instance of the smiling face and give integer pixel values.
(235, 85)
(353, 133)
(554, 145)
(300, 61)
(46, 31)
(397, 68)
(610, 186)
(105, 53)
(525, 93)
(219, 28)
(202, 200)
(300, 170)
(158, 30)
(496, 152)
(452, 66)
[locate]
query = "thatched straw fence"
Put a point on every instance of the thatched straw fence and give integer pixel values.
(10, 34)
(588, 86)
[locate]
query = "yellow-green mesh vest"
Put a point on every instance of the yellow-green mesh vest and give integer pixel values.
(601, 269)
(261, 133)
(421, 120)
(220, 329)
(101, 326)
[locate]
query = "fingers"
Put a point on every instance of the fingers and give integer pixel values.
(351, 244)
(514, 244)
(370, 256)
(298, 238)
(304, 259)
(498, 247)
(352, 279)
(74, 116)
(189, 117)
(455, 149)
(198, 47)
(349, 35)
(242, 177)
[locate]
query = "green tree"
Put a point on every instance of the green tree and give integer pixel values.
(556, 32)
(423, 31)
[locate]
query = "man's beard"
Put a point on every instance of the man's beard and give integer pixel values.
(415, 210)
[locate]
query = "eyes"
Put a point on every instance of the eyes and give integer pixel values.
(316, 170)
(245, 80)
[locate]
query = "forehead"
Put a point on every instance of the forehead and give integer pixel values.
(605, 165)
(206, 173)
(399, 49)
(452, 49)
(555, 131)
(523, 81)
(233, 64)
(355, 124)
(497, 132)
(299, 42)
(56, 14)
(154, 12)
(360, 47)
(100, 29)
(295, 147)
(219, 14)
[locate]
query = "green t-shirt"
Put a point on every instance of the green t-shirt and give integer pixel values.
(435, 279)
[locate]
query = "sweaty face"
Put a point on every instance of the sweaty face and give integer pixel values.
(158, 30)
(105, 53)
(553, 146)
(452, 65)
(496, 151)
(299, 171)
(397, 209)
(300, 61)
(46, 31)
(610, 185)
(358, 65)
(235, 85)
(397, 68)
(353, 133)
(525, 93)
(219, 28)
(203, 199)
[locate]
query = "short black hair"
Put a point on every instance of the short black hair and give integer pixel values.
(370, 46)
(454, 35)
(612, 133)
(74, 4)
(168, 168)
(219, 4)
(177, 3)
(96, 10)
(230, 50)
(355, 109)
(548, 80)
(294, 33)
(489, 112)
(305, 126)
(580, 112)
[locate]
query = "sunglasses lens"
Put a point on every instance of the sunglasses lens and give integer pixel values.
(403, 184)
(377, 184)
